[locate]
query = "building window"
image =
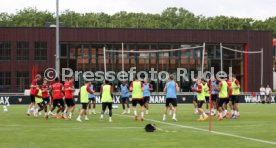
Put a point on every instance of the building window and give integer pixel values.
(22, 51)
(22, 81)
(5, 81)
(5, 50)
(40, 51)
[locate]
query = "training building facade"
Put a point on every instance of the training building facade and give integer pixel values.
(82, 49)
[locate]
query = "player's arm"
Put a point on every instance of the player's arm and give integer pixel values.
(142, 86)
(165, 88)
(131, 86)
(219, 86)
(177, 87)
(101, 90)
(238, 84)
(150, 87)
(199, 89)
(89, 90)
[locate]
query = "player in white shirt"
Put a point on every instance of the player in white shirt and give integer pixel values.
(268, 94)
(262, 93)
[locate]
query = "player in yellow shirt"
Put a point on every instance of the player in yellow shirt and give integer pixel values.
(107, 99)
(136, 87)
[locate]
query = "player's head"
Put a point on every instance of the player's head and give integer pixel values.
(70, 79)
(106, 82)
(136, 77)
(213, 78)
(87, 82)
(234, 77)
(56, 79)
(171, 77)
(203, 81)
(45, 81)
(198, 81)
(38, 77)
(145, 80)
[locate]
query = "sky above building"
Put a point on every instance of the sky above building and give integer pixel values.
(257, 9)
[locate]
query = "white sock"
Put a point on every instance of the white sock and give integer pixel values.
(164, 117)
(204, 115)
(110, 118)
(101, 116)
(174, 115)
(142, 114)
(79, 117)
(135, 113)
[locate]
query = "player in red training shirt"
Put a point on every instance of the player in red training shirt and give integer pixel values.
(68, 95)
(229, 83)
(45, 96)
(33, 92)
(57, 88)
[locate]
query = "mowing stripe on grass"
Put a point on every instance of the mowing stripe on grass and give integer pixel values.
(199, 129)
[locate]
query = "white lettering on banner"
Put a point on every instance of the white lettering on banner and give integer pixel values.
(251, 99)
(157, 99)
(272, 98)
(116, 99)
(5, 100)
(247, 99)
(98, 99)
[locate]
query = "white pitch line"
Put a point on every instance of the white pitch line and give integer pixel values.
(215, 132)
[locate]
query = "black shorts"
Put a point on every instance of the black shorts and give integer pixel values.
(41, 104)
(92, 100)
(69, 102)
(221, 101)
(124, 99)
(171, 101)
(235, 99)
(32, 98)
(146, 99)
(227, 100)
(84, 105)
(214, 97)
(207, 98)
(46, 100)
(200, 103)
(106, 104)
(136, 101)
(58, 102)
(195, 98)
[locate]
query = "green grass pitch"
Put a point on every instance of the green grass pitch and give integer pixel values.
(255, 128)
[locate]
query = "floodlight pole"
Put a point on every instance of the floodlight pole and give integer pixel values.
(57, 40)
(123, 59)
(262, 66)
(104, 63)
(202, 64)
(221, 62)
